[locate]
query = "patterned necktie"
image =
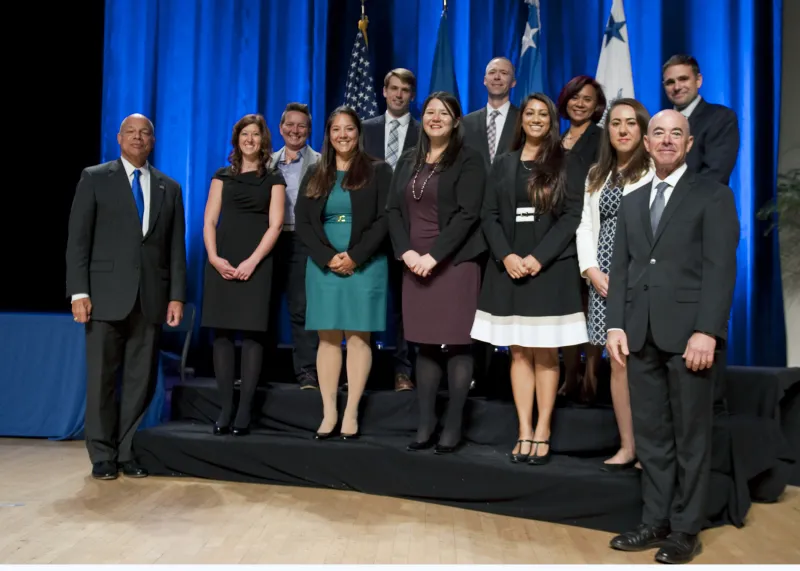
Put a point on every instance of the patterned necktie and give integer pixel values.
(657, 208)
(394, 143)
(491, 134)
(138, 194)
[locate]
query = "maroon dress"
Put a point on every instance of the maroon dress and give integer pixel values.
(439, 309)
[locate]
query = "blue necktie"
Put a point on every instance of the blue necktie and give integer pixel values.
(138, 194)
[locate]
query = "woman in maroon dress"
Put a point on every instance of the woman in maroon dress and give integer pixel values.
(434, 223)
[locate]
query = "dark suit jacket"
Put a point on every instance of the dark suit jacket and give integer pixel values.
(460, 195)
(369, 225)
(474, 126)
(373, 135)
(681, 280)
(716, 141)
(555, 230)
(107, 255)
(587, 148)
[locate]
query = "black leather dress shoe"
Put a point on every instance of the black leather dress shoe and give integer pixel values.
(104, 470)
(643, 537)
(221, 430)
(240, 431)
(679, 548)
(133, 470)
(417, 446)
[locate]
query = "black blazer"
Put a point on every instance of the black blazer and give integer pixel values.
(460, 195)
(716, 141)
(555, 230)
(107, 256)
(373, 136)
(681, 280)
(474, 126)
(369, 226)
(587, 148)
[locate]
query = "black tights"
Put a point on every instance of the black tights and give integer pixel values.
(225, 370)
(430, 365)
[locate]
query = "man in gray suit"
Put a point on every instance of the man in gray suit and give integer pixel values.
(291, 255)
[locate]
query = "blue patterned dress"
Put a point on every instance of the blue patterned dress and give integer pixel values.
(610, 200)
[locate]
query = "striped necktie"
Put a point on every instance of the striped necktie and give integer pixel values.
(491, 135)
(394, 143)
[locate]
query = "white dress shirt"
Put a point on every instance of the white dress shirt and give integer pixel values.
(687, 111)
(672, 179)
(402, 130)
(144, 180)
(500, 120)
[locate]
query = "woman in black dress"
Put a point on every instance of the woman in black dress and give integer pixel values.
(434, 223)
(582, 102)
(531, 296)
(243, 219)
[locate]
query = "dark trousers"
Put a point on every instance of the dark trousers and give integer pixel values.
(289, 275)
(402, 359)
(672, 421)
(111, 419)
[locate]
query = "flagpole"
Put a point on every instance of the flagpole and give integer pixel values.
(363, 23)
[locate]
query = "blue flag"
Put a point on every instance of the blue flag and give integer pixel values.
(443, 74)
(359, 92)
(529, 72)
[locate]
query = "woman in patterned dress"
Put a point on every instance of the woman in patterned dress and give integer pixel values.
(623, 166)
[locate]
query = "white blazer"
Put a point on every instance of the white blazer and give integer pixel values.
(588, 234)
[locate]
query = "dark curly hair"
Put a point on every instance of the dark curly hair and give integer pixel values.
(573, 87)
(264, 152)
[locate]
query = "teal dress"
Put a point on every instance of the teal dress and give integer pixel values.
(347, 303)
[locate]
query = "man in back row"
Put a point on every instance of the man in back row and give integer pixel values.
(387, 137)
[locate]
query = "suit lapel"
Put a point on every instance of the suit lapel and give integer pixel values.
(404, 177)
(509, 170)
(157, 189)
(678, 194)
(121, 185)
(483, 135)
(411, 135)
(508, 130)
(644, 211)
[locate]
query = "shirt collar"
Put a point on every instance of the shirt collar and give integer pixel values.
(687, 111)
(673, 177)
(404, 120)
(282, 156)
(503, 109)
(129, 168)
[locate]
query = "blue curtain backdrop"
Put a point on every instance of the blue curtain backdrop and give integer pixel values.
(197, 67)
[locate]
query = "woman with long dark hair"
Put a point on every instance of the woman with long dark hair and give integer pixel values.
(340, 216)
(531, 297)
(623, 165)
(434, 222)
(243, 219)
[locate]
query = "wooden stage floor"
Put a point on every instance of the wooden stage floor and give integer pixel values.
(52, 511)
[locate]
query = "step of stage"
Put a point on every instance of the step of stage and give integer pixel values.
(284, 408)
(569, 490)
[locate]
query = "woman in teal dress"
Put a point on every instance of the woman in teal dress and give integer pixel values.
(340, 216)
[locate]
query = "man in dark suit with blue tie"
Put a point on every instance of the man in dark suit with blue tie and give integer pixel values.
(126, 276)
(387, 137)
(670, 293)
(714, 127)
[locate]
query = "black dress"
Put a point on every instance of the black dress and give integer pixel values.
(540, 311)
(244, 218)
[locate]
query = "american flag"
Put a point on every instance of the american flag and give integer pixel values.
(360, 91)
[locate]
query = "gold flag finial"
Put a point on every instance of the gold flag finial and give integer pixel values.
(363, 23)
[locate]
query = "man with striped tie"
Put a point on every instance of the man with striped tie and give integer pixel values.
(489, 129)
(386, 137)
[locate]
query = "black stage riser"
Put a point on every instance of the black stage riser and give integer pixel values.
(572, 491)
(286, 408)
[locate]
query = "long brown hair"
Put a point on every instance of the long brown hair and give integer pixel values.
(324, 177)
(547, 182)
(456, 135)
(607, 157)
(264, 151)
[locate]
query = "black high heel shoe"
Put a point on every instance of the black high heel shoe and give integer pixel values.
(519, 456)
(536, 459)
(619, 467)
(417, 446)
(221, 430)
(240, 431)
